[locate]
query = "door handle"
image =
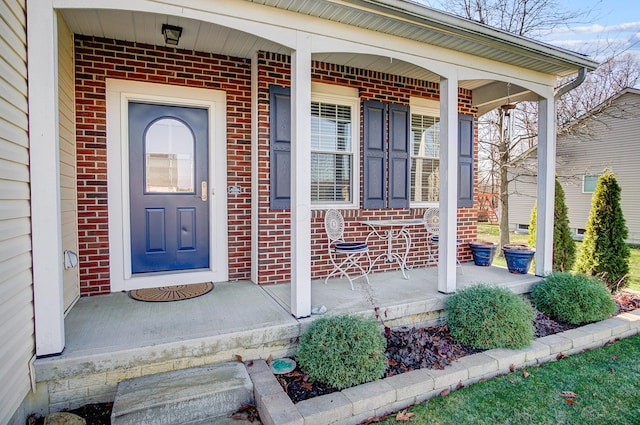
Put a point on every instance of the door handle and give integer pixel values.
(203, 191)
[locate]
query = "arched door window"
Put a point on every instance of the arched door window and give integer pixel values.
(169, 157)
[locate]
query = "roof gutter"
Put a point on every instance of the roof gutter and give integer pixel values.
(582, 74)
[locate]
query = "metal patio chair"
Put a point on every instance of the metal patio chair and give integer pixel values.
(432, 224)
(344, 255)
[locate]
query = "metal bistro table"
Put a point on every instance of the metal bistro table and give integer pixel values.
(389, 230)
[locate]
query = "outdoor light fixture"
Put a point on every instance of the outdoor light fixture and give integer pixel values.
(171, 34)
(507, 107)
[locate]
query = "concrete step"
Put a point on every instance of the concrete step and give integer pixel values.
(187, 396)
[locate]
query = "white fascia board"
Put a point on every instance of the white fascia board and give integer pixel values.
(484, 34)
(276, 24)
(435, 59)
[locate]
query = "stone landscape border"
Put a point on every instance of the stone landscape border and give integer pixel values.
(356, 404)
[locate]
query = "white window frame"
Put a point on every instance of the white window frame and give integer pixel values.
(424, 107)
(344, 96)
(584, 178)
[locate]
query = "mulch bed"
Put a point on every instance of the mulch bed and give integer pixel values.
(407, 349)
(433, 347)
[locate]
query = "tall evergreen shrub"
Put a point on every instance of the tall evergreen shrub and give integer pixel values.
(604, 251)
(564, 247)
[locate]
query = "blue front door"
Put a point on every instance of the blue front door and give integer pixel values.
(169, 204)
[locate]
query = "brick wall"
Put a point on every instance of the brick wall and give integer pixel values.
(97, 59)
(274, 229)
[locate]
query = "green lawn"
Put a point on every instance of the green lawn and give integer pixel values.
(604, 382)
(490, 233)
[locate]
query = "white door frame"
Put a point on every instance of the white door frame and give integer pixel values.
(118, 94)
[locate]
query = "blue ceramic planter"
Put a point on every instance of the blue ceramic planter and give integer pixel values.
(483, 252)
(518, 257)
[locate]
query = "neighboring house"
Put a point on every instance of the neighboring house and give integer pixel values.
(607, 137)
(233, 142)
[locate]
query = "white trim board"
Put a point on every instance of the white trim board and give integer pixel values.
(118, 94)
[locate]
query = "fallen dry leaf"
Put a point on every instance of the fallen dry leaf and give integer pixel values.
(460, 385)
(569, 394)
(512, 367)
(445, 392)
(569, 401)
(483, 380)
(307, 386)
(250, 363)
(239, 358)
(404, 416)
(614, 357)
(375, 419)
(525, 373)
(269, 359)
(511, 381)
(561, 356)
(611, 341)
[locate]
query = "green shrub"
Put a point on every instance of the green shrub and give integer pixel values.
(573, 298)
(343, 351)
(604, 252)
(489, 317)
(564, 247)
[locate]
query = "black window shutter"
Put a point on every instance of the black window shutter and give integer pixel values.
(399, 128)
(374, 154)
(280, 147)
(465, 160)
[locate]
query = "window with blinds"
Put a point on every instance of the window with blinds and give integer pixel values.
(332, 153)
(425, 158)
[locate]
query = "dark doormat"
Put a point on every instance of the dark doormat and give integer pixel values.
(171, 293)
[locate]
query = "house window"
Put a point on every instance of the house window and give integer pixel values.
(425, 157)
(589, 184)
(334, 149)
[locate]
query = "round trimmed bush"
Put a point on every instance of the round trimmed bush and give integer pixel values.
(483, 316)
(573, 298)
(343, 351)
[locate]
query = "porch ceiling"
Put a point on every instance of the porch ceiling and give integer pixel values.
(203, 36)
(395, 17)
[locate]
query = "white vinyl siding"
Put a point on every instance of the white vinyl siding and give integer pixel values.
(16, 303)
(611, 141)
(68, 192)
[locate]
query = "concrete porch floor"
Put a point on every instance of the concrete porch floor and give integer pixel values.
(113, 337)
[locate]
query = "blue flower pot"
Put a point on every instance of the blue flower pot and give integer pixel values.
(483, 252)
(518, 257)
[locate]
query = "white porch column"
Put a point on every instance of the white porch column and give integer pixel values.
(301, 176)
(546, 184)
(254, 168)
(448, 184)
(46, 227)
